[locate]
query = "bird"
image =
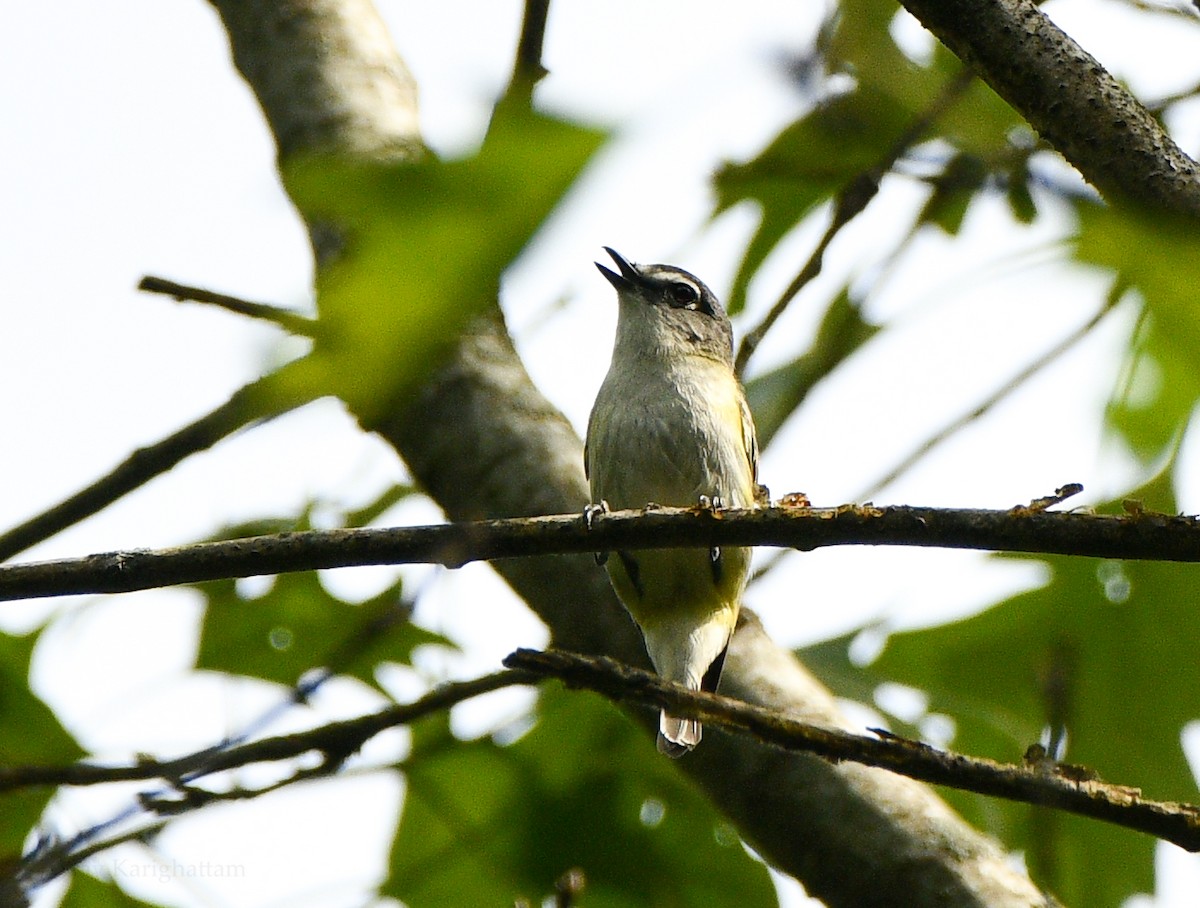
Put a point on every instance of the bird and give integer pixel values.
(671, 427)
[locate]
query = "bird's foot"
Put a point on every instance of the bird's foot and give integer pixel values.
(590, 512)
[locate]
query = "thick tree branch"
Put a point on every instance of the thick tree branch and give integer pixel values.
(1069, 98)
(1144, 535)
(1042, 782)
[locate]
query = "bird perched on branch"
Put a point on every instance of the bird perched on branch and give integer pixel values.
(670, 426)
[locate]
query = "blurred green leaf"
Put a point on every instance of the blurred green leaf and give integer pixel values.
(775, 395)
(857, 130)
(33, 737)
(298, 625)
(1160, 258)
(88, 892)
(863, 46)
(953, 190)
(426, 243)
(485, 824)
(1110, 648)
(1017, 192)
(805, 165)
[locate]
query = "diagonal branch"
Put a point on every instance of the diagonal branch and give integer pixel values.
(1045, 783)
(335, 741)
(848, 204)
(1069, 98)
(981, 409)
(245, 406)
(1144, 535)
(282, 318)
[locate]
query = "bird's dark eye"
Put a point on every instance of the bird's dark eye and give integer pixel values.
(684, 294)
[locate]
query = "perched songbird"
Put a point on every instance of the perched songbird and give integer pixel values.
(671, 427)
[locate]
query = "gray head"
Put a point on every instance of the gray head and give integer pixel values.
(666, 310)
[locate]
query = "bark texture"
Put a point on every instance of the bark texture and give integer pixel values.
(484, 442)
(1069, 98)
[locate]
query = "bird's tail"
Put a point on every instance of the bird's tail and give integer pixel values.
(677, 736)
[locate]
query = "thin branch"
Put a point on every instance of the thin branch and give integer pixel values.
(292, 322)
(847, 205)
(1145, 535)
(527, 67)
(45, 864)
(336, 740)
(1040, 782)
(245, 406)
(996, 397)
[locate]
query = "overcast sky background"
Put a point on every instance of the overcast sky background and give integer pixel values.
(134, 148)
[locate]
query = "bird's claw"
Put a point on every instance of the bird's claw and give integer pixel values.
(590, 512)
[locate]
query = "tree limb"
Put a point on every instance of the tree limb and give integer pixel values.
(1069, 98)
(1144, 535)
(1041, 782)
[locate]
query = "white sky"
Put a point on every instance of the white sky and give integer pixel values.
(134, 148)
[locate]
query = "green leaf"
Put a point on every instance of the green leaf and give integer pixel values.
(953, 190)
(33, 737)
(88, 892)
(1110, 648)
(485, 824)
(299, 625)
(806, 164)
(1160, 258)
(426, 243)
(775, 395)
(1017, 192)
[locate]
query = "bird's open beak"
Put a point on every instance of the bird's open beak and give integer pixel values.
(629, 274)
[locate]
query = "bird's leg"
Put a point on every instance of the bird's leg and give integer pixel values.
(711, 505)
(590, 513)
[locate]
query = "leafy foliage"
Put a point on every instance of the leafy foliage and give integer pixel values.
(425, 245)
(1161, 259)
(34, 736)
(86, 891)
(1106, 649)
(485, 823)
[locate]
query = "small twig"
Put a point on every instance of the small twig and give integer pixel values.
(527, 66)
(848, 204)
(144, 464)
(1142, 535)
(1050, 785)
(46, 864)
(290, 321)
(996, 397)
(1043, 504)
